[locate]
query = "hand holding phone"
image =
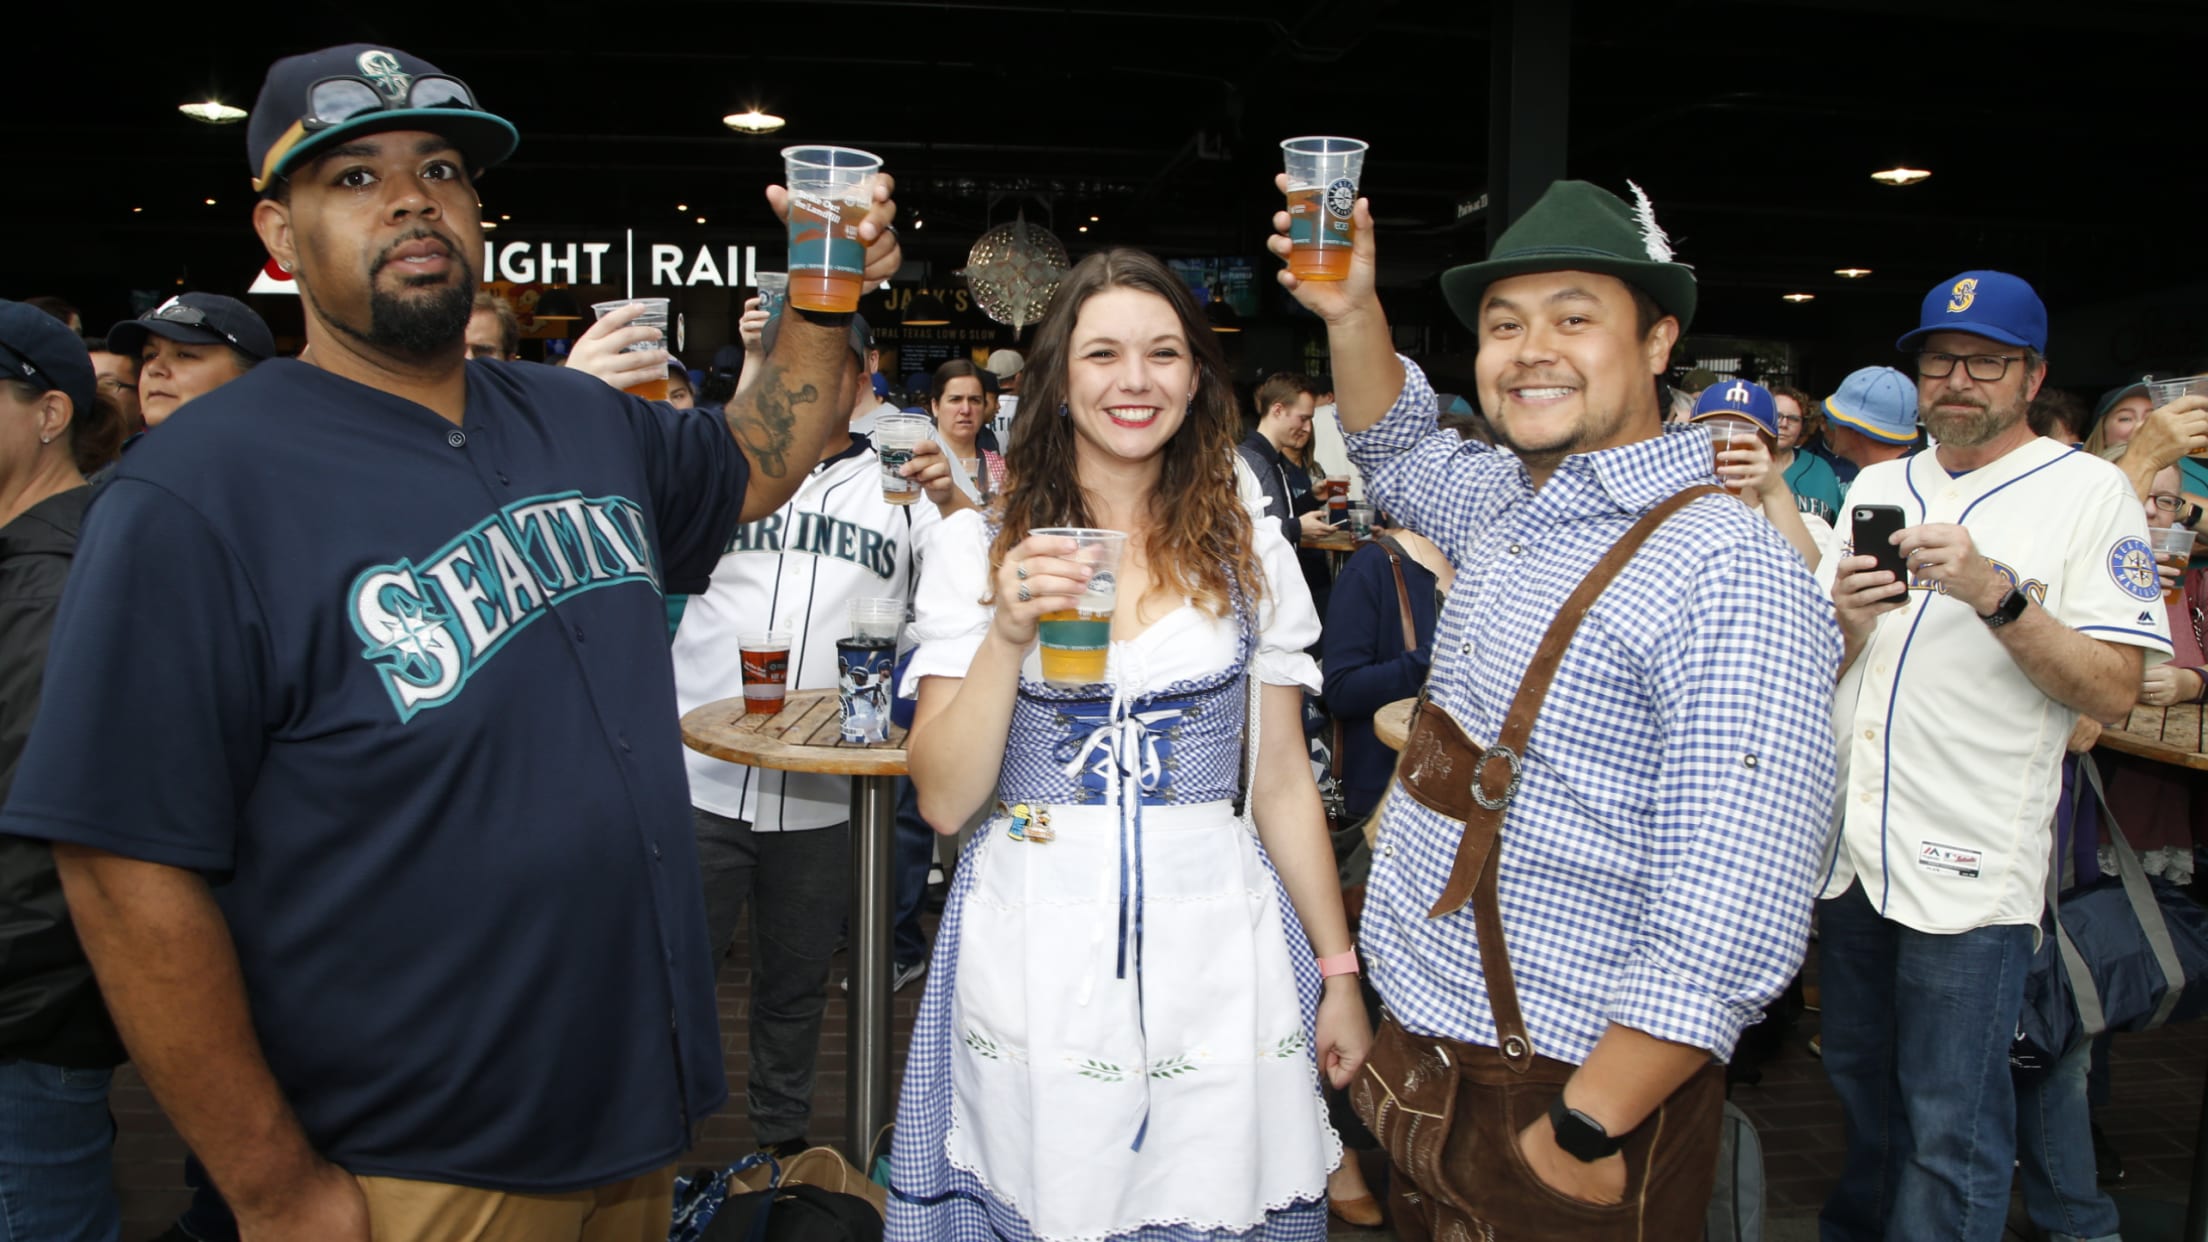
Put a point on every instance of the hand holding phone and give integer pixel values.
(1873, 528)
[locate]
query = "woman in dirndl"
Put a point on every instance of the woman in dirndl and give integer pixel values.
(1136, 984)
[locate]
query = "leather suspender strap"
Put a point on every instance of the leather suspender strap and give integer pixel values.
(1446, 771)
(1395, 556)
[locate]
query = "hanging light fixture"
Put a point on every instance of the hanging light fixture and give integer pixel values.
(1797, 298)
(1852, 273)
(212, 111)
(1900, 175)
(926, 310)
(753, 121)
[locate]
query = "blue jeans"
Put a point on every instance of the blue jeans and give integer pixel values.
(915, 855)
(1917, 1030)
(57, 1145)
(2054, 1139)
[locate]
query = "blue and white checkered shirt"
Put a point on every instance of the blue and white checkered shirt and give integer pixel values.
(1660, 860)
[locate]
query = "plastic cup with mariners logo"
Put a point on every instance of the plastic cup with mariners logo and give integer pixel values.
(1322, 191)
(1076, 641)
(774, 292)
(766, 660)
(654, 316)
(1360, 520)
(866, 662)
(895, 437)
(2164, 391)
(831, 192)
(2173, 550)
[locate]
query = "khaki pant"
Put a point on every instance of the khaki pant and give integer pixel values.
(636, 1210)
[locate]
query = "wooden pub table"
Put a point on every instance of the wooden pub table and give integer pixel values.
(807, 736)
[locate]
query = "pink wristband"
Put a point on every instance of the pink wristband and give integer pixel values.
(1344, 963)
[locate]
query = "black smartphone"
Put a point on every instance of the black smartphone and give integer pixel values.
(1873, 528)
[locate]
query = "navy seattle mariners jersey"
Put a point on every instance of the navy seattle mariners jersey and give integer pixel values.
(401, 691)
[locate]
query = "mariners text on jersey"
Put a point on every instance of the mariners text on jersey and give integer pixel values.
(819, 534)
(493, 580)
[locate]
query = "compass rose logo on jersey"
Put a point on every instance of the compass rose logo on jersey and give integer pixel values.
(382, 70)
(2131, 564)
(1962, 295)
(1341, 197)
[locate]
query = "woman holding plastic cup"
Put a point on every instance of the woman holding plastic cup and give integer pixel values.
(1130, 992)
(1742, 422)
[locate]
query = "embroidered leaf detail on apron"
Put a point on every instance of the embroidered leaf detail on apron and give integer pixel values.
(1287, 1046)
(984, 1045)
(1102, 1071)
(1174, 1067)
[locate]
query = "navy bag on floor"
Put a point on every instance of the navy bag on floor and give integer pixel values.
(2126, 953)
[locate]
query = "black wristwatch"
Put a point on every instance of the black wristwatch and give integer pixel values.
(2009, 609)
(1581, 1136)
(2191, 517)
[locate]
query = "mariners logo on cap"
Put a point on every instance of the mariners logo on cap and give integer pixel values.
(1341, 198)
(1737, 394)
(382, 69)
(1965, 292)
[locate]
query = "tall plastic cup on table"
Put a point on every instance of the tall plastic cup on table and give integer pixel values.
(1077, 641)
(865, 663)
(831, 191)
(1322, 191)
(654, 316)
(765, 656)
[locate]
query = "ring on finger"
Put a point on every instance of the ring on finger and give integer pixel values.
(1025, 594)
(1020, 572)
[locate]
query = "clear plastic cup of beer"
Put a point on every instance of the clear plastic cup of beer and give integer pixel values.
(1076, 642)
(654, 316)
(1322, 192)
(831, 192)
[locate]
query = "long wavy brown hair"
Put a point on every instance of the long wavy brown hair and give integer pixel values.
(1200, 544)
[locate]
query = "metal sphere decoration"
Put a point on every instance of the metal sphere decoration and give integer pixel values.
(1014, 270)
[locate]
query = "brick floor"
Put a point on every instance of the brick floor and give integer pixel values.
(2157, 1083)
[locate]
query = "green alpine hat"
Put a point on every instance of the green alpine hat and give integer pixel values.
(1578, 227)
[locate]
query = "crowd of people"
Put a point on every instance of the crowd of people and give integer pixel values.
(409, 904)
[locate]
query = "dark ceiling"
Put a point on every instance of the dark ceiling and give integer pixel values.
(2065, 138)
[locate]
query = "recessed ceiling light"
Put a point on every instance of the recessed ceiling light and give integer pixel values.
(210, 202)
(1092, 219)
(701, 219)
(753, 122)
(682, 206)
(1900, 176)
(505, 217)
(1084, 228)
(1852, 273)
(919, 224)
(212, 111)
(135, 210)
(492, 224)
(1797, 298)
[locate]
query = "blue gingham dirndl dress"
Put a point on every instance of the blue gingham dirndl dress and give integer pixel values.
(1117, 1036)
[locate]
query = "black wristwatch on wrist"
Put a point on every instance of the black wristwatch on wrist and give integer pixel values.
(1581, 1136)
(2009, 609)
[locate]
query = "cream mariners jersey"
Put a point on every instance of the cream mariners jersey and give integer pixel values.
(1950, 758)
(797, 569)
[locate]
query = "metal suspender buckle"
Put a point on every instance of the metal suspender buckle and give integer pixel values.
(1479, 770)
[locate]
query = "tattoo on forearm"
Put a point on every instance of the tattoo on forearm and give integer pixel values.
(767, 429)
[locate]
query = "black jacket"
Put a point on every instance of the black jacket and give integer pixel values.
(1366, 665)
(50, 1008)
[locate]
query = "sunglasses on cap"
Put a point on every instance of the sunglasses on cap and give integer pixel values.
(193, 317)
(334, 101)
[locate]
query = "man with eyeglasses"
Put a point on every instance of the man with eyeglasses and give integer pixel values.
(397, 908)
(2033, 599)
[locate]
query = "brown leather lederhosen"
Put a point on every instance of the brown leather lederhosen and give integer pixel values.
(1449, 1113)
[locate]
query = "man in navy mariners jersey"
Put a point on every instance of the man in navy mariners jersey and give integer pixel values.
(395, 900)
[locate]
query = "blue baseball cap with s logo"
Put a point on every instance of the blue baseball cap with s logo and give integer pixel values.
(1994, 305)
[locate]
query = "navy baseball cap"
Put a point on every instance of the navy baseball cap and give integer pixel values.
(1994, 305)
(313, 100)
(2137, 388)
(200, 319)
(1879, 402)
(1740, 399)
(41, 351)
